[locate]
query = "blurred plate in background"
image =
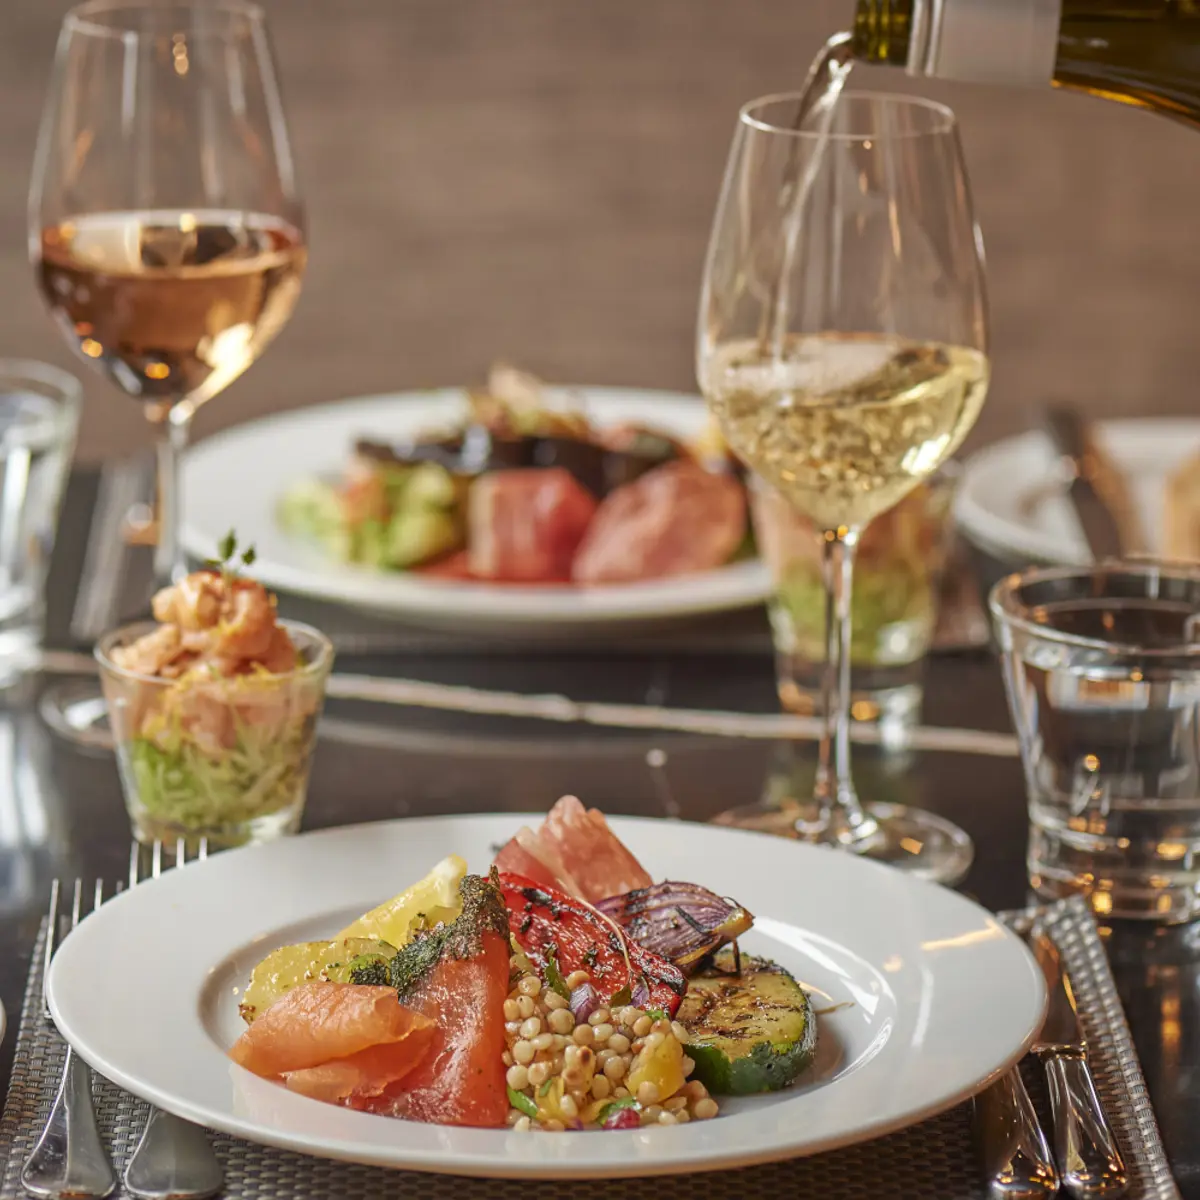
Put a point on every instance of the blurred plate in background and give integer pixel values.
(235, 480)
(1009, 506)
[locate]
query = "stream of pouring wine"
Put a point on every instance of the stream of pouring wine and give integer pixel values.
(826, 79)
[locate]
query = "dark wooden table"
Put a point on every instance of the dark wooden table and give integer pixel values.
(61, 812)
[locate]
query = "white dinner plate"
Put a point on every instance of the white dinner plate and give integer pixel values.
(924, 997)
(1008, 506)
(235, 479)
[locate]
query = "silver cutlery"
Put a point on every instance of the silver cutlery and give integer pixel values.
(1090, 1164)
(69, 1159)
(173, 1160)
(1016, 1157)
(1096, 487)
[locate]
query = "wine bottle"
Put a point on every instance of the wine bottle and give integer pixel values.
(1145, 53)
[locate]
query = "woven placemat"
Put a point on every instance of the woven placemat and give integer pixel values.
(933, 1159)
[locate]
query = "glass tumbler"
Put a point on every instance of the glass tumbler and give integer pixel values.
(222, 757)
(39, 416)
(1102, 669)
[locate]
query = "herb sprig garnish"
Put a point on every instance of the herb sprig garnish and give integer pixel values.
(230, 561)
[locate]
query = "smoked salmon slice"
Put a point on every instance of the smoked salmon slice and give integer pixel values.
(317, 1023)
(457, 976)
(575, 851)
(358, 1079)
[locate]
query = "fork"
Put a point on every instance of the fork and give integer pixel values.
(173, 1158)
(69, 1160)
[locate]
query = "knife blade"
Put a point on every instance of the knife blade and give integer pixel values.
(1089, 1163)
(1096, 489)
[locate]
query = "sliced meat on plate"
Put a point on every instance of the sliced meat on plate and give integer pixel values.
(316, 1023)
(457, 975)
(574, 850)
(524, 526)
(357, 1080)
(675, 520)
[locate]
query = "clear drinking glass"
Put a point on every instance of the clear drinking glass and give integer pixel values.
(165, 225)
(899, 570)
(226, 757)
(39, 415)
(842, 345)
(1102, 668)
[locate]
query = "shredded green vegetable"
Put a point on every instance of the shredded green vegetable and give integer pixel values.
(199, 787)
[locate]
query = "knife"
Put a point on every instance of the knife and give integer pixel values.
(1016, 1158)
(1089, 1162)
(1096, 488)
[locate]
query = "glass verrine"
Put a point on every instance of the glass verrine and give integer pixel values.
(216, 756)
(165, 223)
(899, 572)
(842, 345)
(1102, 669)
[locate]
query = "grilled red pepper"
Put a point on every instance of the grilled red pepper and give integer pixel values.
(548, 923)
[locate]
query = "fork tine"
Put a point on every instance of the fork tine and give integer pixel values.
(203, 854)
(98, 897)
(156, 859)
(180, 851)
(118, 887)
(135, 863)
(77, 903)
(51, 942)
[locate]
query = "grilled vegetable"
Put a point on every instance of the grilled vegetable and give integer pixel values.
(545, 922)
(681, 921)
(748, 1032)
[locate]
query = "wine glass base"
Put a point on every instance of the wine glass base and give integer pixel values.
(76, 711)
(912, 839)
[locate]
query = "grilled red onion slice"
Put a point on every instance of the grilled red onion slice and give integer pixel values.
(584, 1001)
(681, 921)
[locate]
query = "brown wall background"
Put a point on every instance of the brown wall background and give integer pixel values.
(534, 180)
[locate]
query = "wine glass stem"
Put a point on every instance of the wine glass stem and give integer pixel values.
(842, 818)
(172, 428)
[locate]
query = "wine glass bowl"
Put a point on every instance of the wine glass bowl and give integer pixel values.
(842, 345)
(165, 224)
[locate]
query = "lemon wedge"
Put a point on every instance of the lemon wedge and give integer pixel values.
(434, 898)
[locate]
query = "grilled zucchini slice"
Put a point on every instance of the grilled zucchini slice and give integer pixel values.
(748, 1032)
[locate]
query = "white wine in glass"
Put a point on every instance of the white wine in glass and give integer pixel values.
(165, 225)
(842, 345)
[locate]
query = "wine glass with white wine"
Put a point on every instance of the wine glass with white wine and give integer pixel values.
(165, 225)
(842, 345)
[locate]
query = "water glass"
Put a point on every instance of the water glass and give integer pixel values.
(215, 756)
(1102, 668)
(39, 415)
(898, 575)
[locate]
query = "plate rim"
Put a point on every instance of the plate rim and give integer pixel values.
(736, 585)
(998, 535)
(436, 1162)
